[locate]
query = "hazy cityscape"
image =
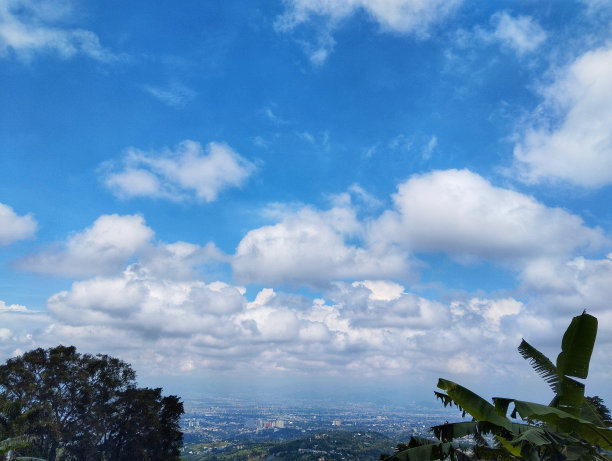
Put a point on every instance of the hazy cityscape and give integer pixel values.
(223, 424)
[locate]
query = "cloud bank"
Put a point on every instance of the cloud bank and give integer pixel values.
(460, 213)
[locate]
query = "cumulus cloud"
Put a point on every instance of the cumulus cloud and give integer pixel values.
(102, 248)
(188, 171)
(14, 227)
(567, 285)
(492, 311)
(522, 34)
(139, 302)
(313, 247)
(111, 242)
(367, 327)
(20, 328)
(569, 137)
(460, 213)
(28, 27)
(164, 323)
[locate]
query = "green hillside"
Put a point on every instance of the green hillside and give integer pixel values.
(328, 445)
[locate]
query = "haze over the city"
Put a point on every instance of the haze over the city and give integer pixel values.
(337, 199)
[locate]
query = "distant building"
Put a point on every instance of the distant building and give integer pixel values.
(336, 422)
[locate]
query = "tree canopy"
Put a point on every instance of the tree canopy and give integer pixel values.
(76, 406)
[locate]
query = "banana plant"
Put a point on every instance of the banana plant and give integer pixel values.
(9, 448)
(568, 428)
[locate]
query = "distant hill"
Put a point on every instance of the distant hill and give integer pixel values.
(327, 445)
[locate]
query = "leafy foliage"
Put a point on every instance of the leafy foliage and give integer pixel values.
(600, 408)
(571, 427)
(85, 407)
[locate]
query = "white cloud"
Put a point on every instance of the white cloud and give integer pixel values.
(430, 147)
(142, 303)
(522, 33)
(28, 27)
(570, 137)
(11, 308)
(570, 285)
(102, 248)
(366, 328)
(404, 16)
(14, 227)
(414, 17)
(381, 290)
(182, 325)
(312, 247)
(20, 327)
(492, 311)
(188, 171)
(463, 215)
(175, 95)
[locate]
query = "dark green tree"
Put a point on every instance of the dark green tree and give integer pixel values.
(77, 406)
(602, 410)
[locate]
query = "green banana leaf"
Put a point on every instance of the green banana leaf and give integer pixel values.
(475, 405)
(432, 451)
(566, 422)
(577, 346)
(541, 364)
(17, 443)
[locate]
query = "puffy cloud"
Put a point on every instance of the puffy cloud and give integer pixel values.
(367, 327)
(460, 213)
(312, 247)
(522, 34)
(21, 328)
(570, 137)
(146, 305)
(178, 260)
(568, 285)
(14, 227)
(11, 308)
(492, 311)
(404, 16)
(364, 328)
(28, 27)
(110, 242)
(176, 175)
(102, 248)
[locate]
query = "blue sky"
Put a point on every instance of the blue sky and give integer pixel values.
(367, 194)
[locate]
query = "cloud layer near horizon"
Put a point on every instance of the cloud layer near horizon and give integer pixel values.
(163, 316)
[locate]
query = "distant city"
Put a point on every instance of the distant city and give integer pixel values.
(225, 423)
